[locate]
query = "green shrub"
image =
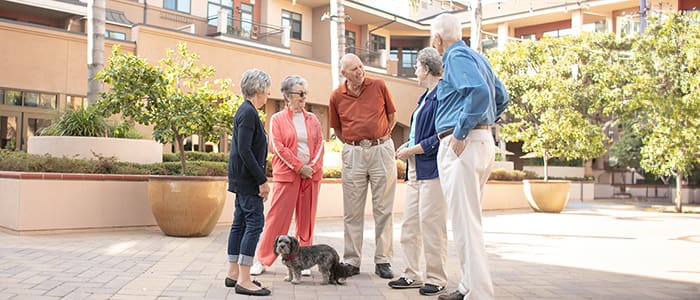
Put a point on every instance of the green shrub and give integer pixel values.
(553, 162)
(333, 145)
(332, 172)
(79, 122)
(511, 175)
(196, 156)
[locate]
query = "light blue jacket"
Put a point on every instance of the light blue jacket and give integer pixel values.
(469, 94)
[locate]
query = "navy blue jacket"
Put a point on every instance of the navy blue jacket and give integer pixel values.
(426, 163)
(247, 159)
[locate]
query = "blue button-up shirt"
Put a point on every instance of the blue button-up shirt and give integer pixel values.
(469, 94)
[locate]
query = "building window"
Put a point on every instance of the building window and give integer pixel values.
(49, 101)
(530, 36)
(558, 32)
(36, 126)
(178, 5)
(215, 6)
(378, 42)
(13, 97)
(115, 35)
(350, 39)
(75, 102)
(408, 58)
(292, 20)
(247, 21)
(628, 25)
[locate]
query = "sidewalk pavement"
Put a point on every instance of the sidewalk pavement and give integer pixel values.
(592, 250)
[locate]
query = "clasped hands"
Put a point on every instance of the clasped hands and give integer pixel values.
(306, 172)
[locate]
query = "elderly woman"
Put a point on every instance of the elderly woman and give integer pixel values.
(246, 178)
(296, 143)
(425, 209)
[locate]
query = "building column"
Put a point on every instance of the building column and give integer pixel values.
(503, 34)
(577, 22)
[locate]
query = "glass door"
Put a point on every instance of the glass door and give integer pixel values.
(9, 131)
(33, 123)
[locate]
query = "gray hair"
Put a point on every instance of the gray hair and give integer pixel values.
(347, 58)
(447, 26)
(430, 59)
(254, 81)
(290, 82)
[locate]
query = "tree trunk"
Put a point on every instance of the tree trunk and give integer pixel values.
(546, 170)
(96, 47)
(679, 192)
(180, 143)
(475, 37)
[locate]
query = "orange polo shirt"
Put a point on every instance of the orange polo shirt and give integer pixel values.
(364, 116)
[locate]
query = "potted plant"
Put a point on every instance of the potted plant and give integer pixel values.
(178, 100)
(558, 91)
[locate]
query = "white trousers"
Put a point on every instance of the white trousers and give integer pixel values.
(424, 228)
(463, 179)
(362, 167)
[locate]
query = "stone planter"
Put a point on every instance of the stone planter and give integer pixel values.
(85, 147)
(186, 206)
(547, 196)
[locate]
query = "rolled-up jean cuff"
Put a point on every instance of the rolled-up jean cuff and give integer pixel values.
(245, 260)
(233, 258)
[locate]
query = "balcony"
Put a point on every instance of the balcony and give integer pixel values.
(370, 58)
(251, 33)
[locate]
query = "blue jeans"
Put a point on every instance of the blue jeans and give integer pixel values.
(248, 222)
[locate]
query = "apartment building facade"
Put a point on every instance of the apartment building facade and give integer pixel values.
(43, 57)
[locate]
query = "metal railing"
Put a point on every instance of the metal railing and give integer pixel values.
(369, 57)
(254, 31)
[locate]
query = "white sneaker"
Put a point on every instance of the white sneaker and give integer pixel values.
(257, 268)
(306, 272)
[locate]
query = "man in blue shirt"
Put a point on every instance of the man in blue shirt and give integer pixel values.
(470, 99)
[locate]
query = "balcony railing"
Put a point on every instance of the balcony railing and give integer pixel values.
(252, 31)
(369, 57)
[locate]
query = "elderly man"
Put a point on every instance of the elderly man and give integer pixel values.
(362, 114)
(470, 99)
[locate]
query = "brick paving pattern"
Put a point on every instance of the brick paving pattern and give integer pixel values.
(592, 250)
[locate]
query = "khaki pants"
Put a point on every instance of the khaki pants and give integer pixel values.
(374, 166)
(424, 229)
(463, 179)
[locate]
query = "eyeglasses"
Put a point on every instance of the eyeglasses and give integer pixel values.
(301, 94)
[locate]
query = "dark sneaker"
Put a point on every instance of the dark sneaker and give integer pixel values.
(456, 295)
(404, 283)
(431, 290)
(384, 270)
(350, 270)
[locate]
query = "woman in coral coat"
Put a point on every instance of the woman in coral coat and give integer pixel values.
(296, 143)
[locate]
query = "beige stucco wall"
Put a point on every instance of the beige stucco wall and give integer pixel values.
(274, 16)
(28, 205)
(83, 147)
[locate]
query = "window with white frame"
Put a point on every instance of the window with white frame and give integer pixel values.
(292, 20)
(213, 8)
(178, 5)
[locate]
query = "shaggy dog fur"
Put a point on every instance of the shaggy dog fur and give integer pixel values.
(299, 258)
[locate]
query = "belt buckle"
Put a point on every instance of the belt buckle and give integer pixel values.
(365, 143)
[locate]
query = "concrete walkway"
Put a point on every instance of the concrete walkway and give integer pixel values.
(593, 250)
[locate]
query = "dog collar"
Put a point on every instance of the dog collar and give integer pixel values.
(290, 257)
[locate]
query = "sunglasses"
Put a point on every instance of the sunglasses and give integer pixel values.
(301, 94)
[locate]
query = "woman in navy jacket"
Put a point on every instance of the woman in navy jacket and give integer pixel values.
(424, 229)
(246, 178)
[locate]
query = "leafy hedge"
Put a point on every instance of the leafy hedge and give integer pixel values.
(199, 164)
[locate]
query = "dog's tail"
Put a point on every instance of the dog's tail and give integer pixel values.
(338, 273)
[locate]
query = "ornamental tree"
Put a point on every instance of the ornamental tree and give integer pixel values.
(560, 91)
(177, 98)
(664, 96)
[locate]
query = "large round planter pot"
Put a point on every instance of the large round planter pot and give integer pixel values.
(547, 196)
(186, 206)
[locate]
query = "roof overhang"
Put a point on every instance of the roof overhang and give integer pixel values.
(73, 7)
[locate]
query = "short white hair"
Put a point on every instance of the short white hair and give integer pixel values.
(447, 26)
(254, 81)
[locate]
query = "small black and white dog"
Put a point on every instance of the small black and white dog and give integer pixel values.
(299, 258)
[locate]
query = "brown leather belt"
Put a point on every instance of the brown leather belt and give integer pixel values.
(367, 143)
(445, 133)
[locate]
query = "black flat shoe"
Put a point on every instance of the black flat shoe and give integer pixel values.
(232, 283)
(244, 291)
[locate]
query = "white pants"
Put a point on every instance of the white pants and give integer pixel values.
(374, 166)
(463, 179)
(424, 229)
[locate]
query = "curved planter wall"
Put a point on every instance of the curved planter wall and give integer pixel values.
(126, 150)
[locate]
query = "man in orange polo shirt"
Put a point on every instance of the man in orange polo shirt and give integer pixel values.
(362, 113)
